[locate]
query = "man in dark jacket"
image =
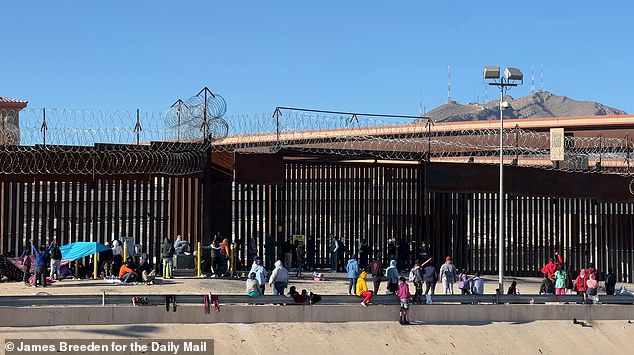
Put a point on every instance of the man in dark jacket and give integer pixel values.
(610, 282)
(376, 269)
(40, 263)
(430, 277)
(167, 254)
(56, 259)
(333, 249)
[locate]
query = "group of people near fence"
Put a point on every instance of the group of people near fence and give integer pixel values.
(559, 281)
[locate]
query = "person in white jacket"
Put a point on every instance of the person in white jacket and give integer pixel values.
(279, 278)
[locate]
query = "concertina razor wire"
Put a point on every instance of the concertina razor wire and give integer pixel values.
(70, 141)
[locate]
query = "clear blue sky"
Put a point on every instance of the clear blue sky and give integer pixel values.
(362, 56)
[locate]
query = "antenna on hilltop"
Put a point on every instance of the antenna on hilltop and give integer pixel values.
(486, 91)
(448, 83)
(420, 102)
(532, 78)
(542, 78)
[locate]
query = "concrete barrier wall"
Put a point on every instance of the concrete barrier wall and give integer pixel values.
(41, 316)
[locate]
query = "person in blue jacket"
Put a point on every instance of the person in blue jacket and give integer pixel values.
(40, 263)
(353, 274)
(392, 274)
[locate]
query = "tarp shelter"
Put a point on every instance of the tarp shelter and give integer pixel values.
(78, 250)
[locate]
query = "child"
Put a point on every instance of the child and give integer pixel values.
(362, 290)
(404, 295)
(26, 269)
(560, 280)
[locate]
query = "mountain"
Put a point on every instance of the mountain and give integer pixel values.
(537, 104)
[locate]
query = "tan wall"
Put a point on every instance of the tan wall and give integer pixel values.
(461, 314)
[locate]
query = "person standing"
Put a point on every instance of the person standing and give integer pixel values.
(167, 254)
(252, 250)
(260, 274)
(334, 248)
(341, 249)
(391, 248)
(376, 269)
(269, 251)
(549, 269)
(26, 269)
(364, 254)
(287, 248)
(56, 259)
(404, 296)
(216, 259)
(560, 280)
(430, 277)
(392, 277)
(117, 257)
(353, 274)
(301, 256)
(581, 285)
(448, 275)
(417, 278)
(279, 278)
(610, 282)
(105, 260)
(41, 255)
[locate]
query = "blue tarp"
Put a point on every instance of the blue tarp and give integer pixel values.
(77, 250)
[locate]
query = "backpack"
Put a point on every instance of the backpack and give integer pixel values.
(375, 268)
(412, 275)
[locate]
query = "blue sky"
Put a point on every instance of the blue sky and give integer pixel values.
(362, 56)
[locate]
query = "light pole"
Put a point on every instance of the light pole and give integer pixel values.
(512, 77)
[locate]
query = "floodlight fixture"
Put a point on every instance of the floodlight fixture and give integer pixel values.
(513, 74)
(491, 72)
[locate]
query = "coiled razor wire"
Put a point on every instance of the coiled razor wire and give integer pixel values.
(56, 141)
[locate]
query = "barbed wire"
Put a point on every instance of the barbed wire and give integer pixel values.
(44, 137)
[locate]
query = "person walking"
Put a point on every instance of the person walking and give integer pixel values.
(167, 254)
(362, 289)
(260, 274)
(448, 275)
(560, 280)
(353, 274)
(301, 257)
(404, 297)
(279, 278)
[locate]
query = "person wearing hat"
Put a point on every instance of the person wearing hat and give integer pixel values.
(448, 275)
(260, 274)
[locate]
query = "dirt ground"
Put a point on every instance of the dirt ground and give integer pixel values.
(552, 337)
(335, 284)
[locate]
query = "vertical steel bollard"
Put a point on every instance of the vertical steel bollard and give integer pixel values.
(198, 256)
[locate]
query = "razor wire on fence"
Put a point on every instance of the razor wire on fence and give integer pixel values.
(176, 141)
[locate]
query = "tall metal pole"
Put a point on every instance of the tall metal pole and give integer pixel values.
(501, 197)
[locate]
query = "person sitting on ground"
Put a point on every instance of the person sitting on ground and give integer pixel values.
(478, 285)
(404, 296)
(392, 275)
(279, 278)
(82, 273)
(296, 296)
(362, 289)
(464, 282)
(127, 273)
(610, 282)
(253, 287)
(181, 246)
(592, 285)
(513, 289)
(145, 269)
